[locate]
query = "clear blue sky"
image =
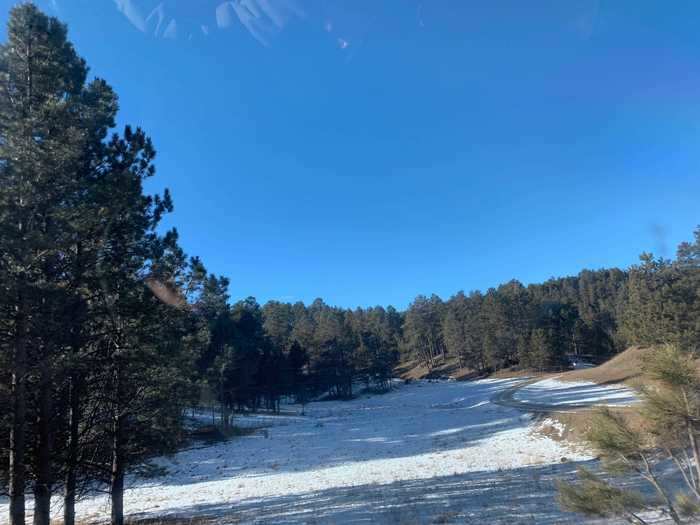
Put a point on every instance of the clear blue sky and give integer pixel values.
(367, 151)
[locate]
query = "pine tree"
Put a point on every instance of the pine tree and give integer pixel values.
(670, 411)
(593, 496)
(423, 337)
(672, 408)
(128, 241)
(297, 363)
(41, 105)
(453, 327)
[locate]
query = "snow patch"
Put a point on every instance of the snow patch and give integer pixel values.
(560, 393)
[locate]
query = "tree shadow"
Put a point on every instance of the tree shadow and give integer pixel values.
(622, 379)
(577, 395)
(514, 496)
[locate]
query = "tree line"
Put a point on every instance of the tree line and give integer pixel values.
(545, 326)
(109, 331)
(541, 326)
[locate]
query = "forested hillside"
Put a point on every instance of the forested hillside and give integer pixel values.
(109, 331)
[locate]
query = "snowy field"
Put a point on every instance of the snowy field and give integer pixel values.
(425, 452)
(565, 394)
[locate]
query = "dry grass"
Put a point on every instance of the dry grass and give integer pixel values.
(413, 370)
(508, 373)
(626, 367)
(578, 423)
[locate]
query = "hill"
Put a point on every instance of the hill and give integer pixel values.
(626, 367)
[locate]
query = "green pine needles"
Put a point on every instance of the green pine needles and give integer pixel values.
(668, 440)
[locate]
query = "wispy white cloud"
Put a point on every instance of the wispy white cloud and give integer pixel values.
(224, 15)
(157, 16)
(250, 17)
(171, 30)
(132, 13)
(262, 18)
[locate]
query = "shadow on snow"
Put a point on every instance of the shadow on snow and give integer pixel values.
(515, 496)
(578, 395)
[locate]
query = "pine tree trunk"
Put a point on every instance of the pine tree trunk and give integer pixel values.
(42, 485)
(72, 452)
(116, 488)
(74, 392)
(696, 450)
(227, 416)
(17, 430)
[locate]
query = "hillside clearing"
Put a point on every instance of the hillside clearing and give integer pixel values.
(422, 452)
(625, 367)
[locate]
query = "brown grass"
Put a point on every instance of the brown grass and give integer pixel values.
(626, 367)
(578, 423)
(414, 370)
(507, 373)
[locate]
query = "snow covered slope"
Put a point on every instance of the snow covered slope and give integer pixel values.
(568, 394)
(424, 452)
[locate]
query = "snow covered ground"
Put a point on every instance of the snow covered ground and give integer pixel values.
(425, 452)
(564, 394)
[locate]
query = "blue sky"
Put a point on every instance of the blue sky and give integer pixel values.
(366, 152)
